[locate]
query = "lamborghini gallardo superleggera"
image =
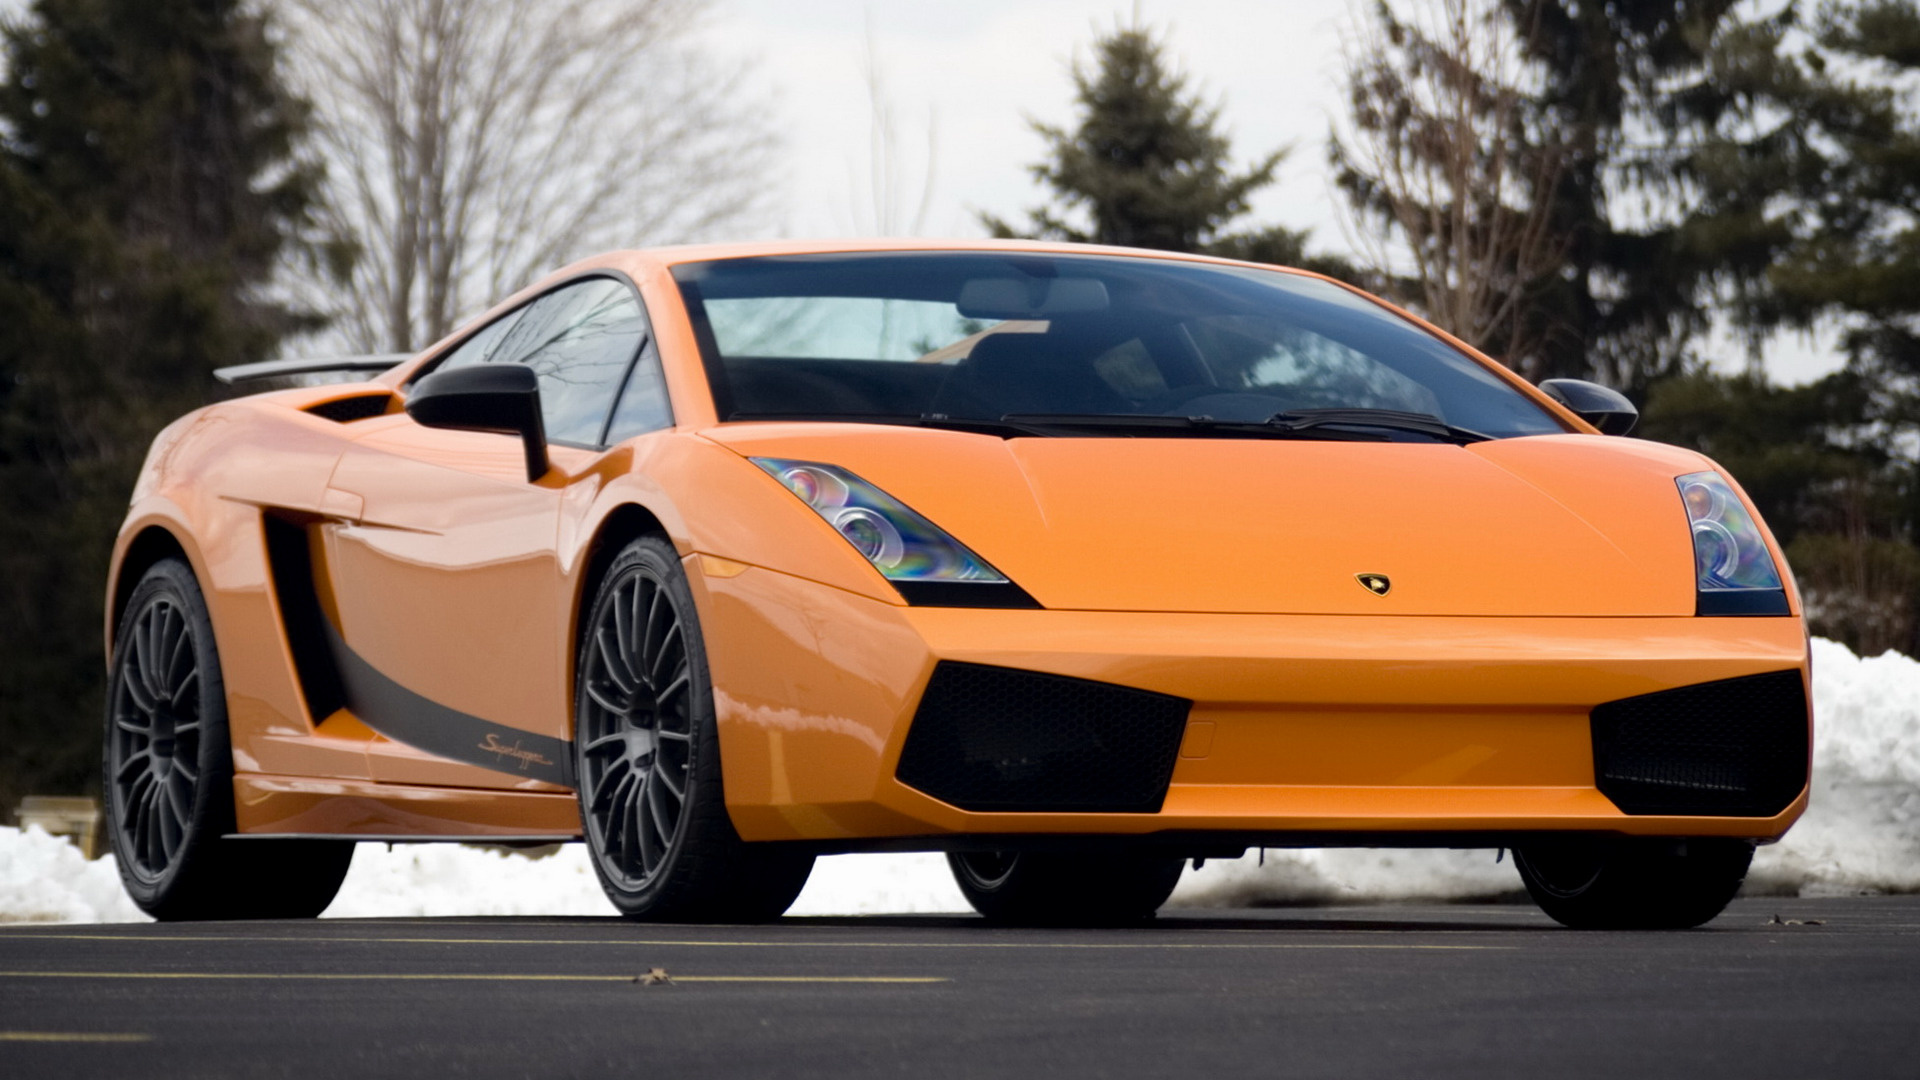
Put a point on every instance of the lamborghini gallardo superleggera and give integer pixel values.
(1072, 563)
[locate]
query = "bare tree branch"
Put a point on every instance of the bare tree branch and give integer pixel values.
(1447, 190)
(473, 145)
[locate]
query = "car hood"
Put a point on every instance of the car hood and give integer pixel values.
(1552, 525)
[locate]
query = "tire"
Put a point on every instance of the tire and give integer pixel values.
(647, 758)
(1050, 889)
(1633, 884)
(168, 775)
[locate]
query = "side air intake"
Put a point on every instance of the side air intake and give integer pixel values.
(999, 739)
(1733, 748)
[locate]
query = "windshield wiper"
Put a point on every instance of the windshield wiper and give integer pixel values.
(1150, 425)
(1001, 428)
(1331, 425)
(1389, 419)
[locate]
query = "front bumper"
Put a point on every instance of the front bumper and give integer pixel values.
(1304, 729)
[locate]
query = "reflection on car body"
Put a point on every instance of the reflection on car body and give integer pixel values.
(1073, 563)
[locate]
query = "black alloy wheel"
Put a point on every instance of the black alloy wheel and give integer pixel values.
(169, 774)
(153, 739)
(646, 758)
(1602, 883)
(1035, 888)
(635, 729)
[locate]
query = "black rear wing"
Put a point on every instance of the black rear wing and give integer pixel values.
(311, 365)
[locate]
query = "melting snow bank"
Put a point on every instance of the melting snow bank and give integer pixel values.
(45, 879)
(1861, 832)
(1861, 835)
(450, 879)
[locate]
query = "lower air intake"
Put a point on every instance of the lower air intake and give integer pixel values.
(1734, 748)
(992, 738)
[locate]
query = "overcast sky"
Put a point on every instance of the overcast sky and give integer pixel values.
(977, 70)
(972, 72)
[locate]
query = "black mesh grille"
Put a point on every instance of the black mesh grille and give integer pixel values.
(1736, 748)
(991, 738)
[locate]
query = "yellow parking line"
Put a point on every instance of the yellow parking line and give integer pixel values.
(73, 1037)
(669, 942)
(382, 976)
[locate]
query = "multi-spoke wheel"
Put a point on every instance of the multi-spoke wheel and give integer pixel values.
(153, 750)
(169, 774)
(646, 756)
(1059, 888)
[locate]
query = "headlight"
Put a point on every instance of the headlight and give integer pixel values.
(1729, 554)
(900, 543)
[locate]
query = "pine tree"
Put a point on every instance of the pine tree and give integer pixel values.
(1628, 302)
(1806, 178)
(149, 187)
(1147, 166)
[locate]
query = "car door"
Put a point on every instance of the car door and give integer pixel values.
(449, 594)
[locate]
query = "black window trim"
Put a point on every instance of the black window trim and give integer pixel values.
(626, 377)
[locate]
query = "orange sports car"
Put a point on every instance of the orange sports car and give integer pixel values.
(1072, 563)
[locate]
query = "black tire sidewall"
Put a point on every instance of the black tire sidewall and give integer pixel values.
(1641, 884)
(192, 877)
(695, 834)
(1048, 888)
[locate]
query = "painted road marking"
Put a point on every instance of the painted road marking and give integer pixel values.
(73, 1037)
(667, 943)
(381, 976)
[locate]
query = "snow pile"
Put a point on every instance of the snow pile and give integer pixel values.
(1861, 835)
(1862, 830)
(916, 884)
(44, 878)
(451, 879)
(407, 880)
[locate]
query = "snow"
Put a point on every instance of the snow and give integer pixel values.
(1861, 835)
(45, 879)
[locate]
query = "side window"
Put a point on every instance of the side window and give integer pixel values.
(579, 340)
(643, 404)
(477, 349)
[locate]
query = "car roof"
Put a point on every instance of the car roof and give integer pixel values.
(691, 253)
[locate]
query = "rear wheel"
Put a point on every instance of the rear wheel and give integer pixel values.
(169, 775)
(1049, 888)
(1606, 884)
(647, 760)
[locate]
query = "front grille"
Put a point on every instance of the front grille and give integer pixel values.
(1735, 748)
(992, 738)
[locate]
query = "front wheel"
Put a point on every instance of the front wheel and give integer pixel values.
(647, 758)
(1602, 884)
(1036, 888)
(169, 775)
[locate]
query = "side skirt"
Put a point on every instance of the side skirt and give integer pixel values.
(287, 806)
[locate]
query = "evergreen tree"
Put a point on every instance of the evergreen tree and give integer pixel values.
(149, 187)
(1147, 167)
(1629, 299)
(1805, 183)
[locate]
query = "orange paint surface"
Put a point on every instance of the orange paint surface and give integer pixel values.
(1532, 580)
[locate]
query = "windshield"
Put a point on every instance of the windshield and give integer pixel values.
(1053, 339)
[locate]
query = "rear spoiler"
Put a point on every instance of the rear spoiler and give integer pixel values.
(311, 365)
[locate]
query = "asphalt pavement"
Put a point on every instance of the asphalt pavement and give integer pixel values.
(1773, 988)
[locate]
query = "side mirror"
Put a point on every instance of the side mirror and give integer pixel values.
(503, 398)
(1603, 407)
